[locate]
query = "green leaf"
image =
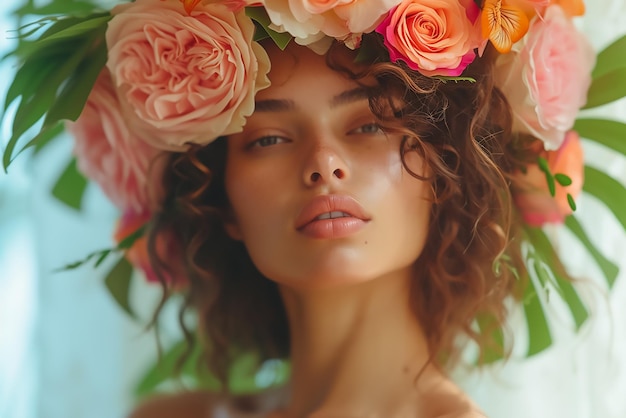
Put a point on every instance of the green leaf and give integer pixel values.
(103, 255)
(611, 58)
(241, 378)
(556, 274)
(76, 264)
(161, 371)
(46, 136)
(539, 337)
(118, 283)
(607, 88)
(573, 300)
(455, 79)
(609, 269)
(609, 133)
(543, 164)
(130, 239)
(28, 78)
(258, 14)
(571, 202)
(194, 367)
(55, 7)
(70, 186)
(167, 366)
(78, 30)
(608, 190)
(30, 111)
(58, 69)
(72, 98)
(53, 26)
(562, 179)
(495, 352)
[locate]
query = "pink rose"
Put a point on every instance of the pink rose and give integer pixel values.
(434, 37)
(108, 153)
(546, 77)
(531, 193)
(308, 21)
(137, 254)
(184, 78)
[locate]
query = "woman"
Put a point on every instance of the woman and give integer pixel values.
(335, 211)
(352, 227)
(353, 215)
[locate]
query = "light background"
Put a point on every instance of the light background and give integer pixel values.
(66, 350)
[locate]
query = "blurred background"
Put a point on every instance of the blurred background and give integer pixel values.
(68, 351)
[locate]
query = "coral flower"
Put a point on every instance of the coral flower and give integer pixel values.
(531, 193)
(184, 79)
(189, 5)
(503, 24)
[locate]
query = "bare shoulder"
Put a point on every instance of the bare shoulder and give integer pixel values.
(184, 404)
(471, 413)
(209, 405)
(446, 400)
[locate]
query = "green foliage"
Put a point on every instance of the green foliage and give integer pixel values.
(57, 73)
(609, 269)
(184, 365)
(539, 337)
(608, 190)
(607, 88)
(609, 75)
(55, 7)
(609, 133)
(101, 255)
(118, 283)
(611, 58)
(494, 352)
(71, 186)
(263, 31)
(551, 273)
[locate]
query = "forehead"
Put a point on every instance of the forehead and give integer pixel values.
(298, 71)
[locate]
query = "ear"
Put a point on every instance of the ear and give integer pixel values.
(230, 225)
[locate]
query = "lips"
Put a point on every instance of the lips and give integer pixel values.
(328, 207)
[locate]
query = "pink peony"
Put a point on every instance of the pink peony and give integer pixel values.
(546, 77)
(531, 193)
(108, 153)
(184, 78)
(308, 21)
(137, 254)
(434, 37)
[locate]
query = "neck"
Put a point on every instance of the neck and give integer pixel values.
(355, 348)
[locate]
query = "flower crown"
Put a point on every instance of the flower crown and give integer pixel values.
(154, 76)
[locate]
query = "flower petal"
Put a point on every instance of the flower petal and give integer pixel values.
(503, 25)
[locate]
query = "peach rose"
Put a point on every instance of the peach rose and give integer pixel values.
(184, 78)
(530, 190)
(308, 21)
(434, 37)
(546, 77)
(137, 254)
(108, 153)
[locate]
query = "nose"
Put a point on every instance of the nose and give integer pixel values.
(324, 165)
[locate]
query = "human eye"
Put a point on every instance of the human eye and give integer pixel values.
(267, 141)
(368, 128)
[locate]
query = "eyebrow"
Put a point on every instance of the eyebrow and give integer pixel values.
(284, 105)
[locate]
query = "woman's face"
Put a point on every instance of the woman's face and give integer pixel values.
(318, 192)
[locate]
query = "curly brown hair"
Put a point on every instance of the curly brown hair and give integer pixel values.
(462, 130)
